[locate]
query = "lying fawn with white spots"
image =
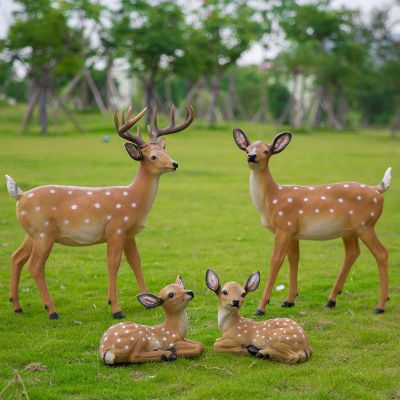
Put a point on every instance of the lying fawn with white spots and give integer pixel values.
(84, 216)
(279, 339)
(130, 342)
(349, 210)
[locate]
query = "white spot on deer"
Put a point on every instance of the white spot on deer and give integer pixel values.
(42, 234)
(375, 200)
(310, 188)
(31, 195)
(280, 213)
(23, 212)
(132, 338)
(317, 210)
(133, 205)
(74, 206)
(239, 335)
(329, 187)
(372, 214)
(118, 205)
(54, 208)
(37, 208)
(70, 192)
(87, 221)
(340, 200)
(97, 205)
(126, 218)
(363, 223)
(362, 186)
(305, 199)
(126, 347)
(301, 212)
(52, 191)
(359, 198)
(295, 188)
(89, 193)
(245, 331)
(125, 193)
(323, 198)
(289, 223)
(173, 335)
(108, 193)
(274, 201)
(351, 212)
(66, 222)
(280, 187)
(118, 340)
(115, 333)
(109, 217)
(331, 210)
(290, 200)
(46, 223)
(164, 338)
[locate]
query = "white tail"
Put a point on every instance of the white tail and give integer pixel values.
(131, 342)
(13, 189)
(349, 210)
(279, 339)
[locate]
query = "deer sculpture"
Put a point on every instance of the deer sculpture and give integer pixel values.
(348, 210)
(85, 216)
(130, 342)
(279, 339)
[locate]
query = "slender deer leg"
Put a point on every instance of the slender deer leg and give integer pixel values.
(293, 257)
(368, 236)
(133, 257)
(115, 245)
(41, 249)
(188, 348)
(281, 247)
(229, 346)
(352, 251)
(18, 260)
(154, 355)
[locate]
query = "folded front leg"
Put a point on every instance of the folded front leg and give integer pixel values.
(188, 348)
(229, 346)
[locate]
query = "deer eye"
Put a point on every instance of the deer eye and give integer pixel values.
(243, 294)
(153, 157)
(224, 292)
(171, 295)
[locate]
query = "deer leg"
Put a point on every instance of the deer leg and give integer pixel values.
(352, 251)
(281, 247)
(18, 260)
(223, 345)
(154, 355)
(188, 348)
(368, 236)
(37, 262)
(293, 257)
(133, 257)
(114, 251)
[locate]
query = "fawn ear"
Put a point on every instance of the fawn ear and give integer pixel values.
(163, 143)
(212, 281)
(252, 282)
(134, 151)
(179, 281)
(280, 142)
(149, 300)
(241, 139)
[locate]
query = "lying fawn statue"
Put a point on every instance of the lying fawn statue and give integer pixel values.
(130, 342)
(279, 339)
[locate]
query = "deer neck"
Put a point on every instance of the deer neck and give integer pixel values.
(262, 187)
(177, 321)
(145, 187)
(227, 318)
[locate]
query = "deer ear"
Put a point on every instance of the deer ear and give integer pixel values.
(241, 139)
(252, 282)
(134, 151)
(149, 300)
(212, 281)
(163, 143)
(179, 281)
(280, 142)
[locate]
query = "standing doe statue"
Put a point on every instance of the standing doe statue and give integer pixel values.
(348, 210)
(279, 339)
(131, 342)
(84, 216)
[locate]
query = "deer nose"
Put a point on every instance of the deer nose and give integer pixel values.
(235, 303)
(251, 157)
(190, 293)
(175, 164)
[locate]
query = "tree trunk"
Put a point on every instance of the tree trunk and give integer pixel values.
(44, 86)
(33, 97)
(95, 91)
(215, 87)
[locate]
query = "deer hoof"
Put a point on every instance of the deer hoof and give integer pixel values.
(258, 313)
(331, 304)
(261, 355)
(287, 304)
(253, 351)
(171, 357)
(379, 311)
(18, 310)
(118, 315)
(54, 316)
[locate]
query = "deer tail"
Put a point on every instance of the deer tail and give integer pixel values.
(385, 183)
(13, 189)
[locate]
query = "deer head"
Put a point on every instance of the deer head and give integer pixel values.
(152, 155)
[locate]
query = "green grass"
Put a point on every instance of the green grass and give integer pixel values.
(203, 217)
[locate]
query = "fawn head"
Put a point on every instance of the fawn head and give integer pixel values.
(152, 155)
(174, 297)
(258, 153)
(231, 295)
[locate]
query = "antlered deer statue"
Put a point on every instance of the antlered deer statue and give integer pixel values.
(348, 210)
(84, 216)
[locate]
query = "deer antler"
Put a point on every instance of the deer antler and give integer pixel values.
(155, 132)
(123, 130)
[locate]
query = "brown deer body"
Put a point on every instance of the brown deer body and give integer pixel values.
(348, 210)
(131, 342)
(84, 216)
(279, 339)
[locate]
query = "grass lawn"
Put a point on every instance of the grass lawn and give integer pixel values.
(203, 218)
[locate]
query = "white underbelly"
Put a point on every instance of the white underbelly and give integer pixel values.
(82, 236)
(321, 230)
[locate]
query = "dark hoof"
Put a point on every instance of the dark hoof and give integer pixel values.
(331, 304)
(171, 357)
(379, 311)
(54, 316)
(287, 304)
(18, 310)
(172, 349)
(263, 356)
(252, 350)
(118, 315)
(258, 313)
